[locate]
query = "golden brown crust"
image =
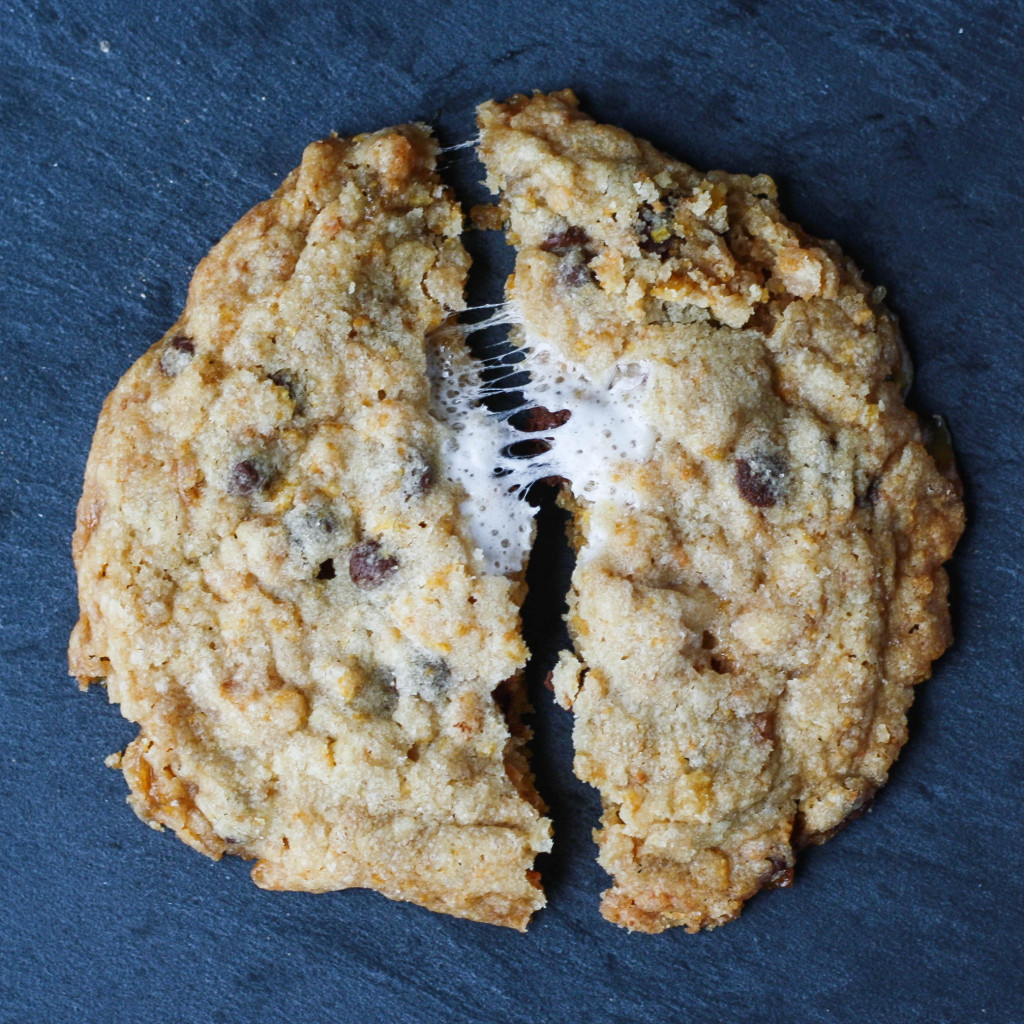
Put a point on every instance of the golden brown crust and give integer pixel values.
(750, 622)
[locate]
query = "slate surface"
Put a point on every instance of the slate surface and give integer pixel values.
(132, 136)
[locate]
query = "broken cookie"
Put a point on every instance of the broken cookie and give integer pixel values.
(759, 527)
(277, 584)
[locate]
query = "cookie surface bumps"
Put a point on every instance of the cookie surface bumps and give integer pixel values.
(759, 591)
(276, 581)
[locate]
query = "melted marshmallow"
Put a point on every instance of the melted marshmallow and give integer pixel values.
(606, 433)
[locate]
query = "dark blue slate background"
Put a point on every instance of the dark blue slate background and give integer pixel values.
(894, 127)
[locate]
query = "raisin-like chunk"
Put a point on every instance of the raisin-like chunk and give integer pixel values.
(368, 567)
(762, 478)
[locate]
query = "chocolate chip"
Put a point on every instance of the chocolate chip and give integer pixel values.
(779, 875)
(870, 495)
(530, 421)
(563, 242)
(761, 478)
(573, 246)
(177, 354)
(367, 567)
(654, 230)
(245, 478)
(325, 571)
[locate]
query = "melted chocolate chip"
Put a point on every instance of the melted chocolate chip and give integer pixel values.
(761, 478)
(432, 677)
(367, 567)
(325, 571)
(245, 478)
(177, 354)
(379, 695)
(530, 421)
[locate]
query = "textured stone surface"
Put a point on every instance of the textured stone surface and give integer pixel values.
(133, 137)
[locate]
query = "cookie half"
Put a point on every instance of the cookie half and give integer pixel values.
(280, 583)
(759, 527)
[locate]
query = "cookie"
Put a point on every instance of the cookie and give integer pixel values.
(758, 524)
(279, 581)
